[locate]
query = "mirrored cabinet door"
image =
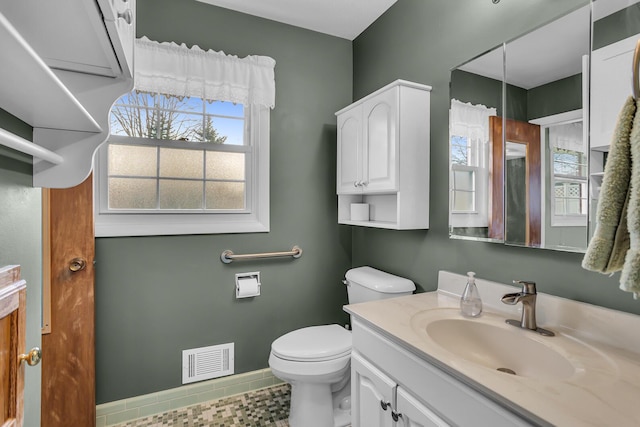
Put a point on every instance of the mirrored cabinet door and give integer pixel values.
(529, 184)
(476, 102)
(546, 150)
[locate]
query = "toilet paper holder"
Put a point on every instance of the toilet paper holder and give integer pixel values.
(248, 284)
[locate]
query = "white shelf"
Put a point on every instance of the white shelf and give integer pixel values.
(374, 224)
(32, 92)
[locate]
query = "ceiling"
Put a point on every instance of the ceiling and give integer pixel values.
(340, 18)
(547, 54)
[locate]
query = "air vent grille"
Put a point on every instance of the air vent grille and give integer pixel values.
(207, 362)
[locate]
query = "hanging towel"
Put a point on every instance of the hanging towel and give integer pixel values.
(630, 277)
(610, 242)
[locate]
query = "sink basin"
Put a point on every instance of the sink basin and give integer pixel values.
(501, 347)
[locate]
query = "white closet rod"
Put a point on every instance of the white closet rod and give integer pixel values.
(11, 140)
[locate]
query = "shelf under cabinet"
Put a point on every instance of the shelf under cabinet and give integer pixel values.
(32, 92)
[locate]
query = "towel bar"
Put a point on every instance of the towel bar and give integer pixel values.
(228, 256)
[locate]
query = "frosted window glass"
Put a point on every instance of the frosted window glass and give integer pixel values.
(132, 160)
(175, 163)
(132, 193)
(221, 165)
(225, 195)
(463, 180)
(463, 201)
(180, 194)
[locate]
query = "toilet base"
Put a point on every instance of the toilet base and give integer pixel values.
(314, 405)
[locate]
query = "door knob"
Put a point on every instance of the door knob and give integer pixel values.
(32, 358)
(77, 264)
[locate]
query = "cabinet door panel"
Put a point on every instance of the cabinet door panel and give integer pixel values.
(414, 413)
(610, 76)
(380, 142)
(349, 152)
(370, 388)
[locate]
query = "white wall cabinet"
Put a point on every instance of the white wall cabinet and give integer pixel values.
(610, 87)
(66, 63)
(381, 402)
(417, 392)
(383, 157)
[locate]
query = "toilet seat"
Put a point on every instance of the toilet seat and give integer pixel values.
(313, 344)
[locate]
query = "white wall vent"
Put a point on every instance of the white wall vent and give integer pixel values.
(207, 362)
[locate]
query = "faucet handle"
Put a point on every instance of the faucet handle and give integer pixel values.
(528, 287)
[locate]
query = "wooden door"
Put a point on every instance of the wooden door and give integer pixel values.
(529, 135)
(68, 368)
(13, 302)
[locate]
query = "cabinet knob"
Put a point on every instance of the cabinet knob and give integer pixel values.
(385, 405)
(396, 415)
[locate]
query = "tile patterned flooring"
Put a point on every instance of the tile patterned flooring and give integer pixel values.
(261, 408)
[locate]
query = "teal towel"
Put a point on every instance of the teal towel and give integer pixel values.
(611, 240)
(630, 277)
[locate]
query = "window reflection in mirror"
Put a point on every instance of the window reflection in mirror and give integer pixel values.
(476, 92)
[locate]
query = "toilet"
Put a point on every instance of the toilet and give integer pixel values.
(316, 360)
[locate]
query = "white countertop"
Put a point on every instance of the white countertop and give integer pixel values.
(601, 343)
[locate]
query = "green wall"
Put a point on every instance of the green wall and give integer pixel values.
(422, 40)
(156, 296)
(21, 243)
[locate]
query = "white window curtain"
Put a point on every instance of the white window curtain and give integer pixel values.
(177, 70)
(568, 136)
(470, 121)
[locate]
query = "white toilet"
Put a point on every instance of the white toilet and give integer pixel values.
(316, 360)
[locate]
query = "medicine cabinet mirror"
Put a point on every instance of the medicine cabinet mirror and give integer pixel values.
(519, 142)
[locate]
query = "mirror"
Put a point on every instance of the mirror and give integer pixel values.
(526, 186)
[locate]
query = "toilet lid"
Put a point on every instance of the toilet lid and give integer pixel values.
(315, 343)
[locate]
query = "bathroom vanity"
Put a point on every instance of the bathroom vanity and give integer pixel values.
(417, 362)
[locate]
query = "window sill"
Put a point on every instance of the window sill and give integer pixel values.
(171, 225)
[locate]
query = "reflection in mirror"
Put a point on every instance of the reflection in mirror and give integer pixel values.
(536, 191)
(545, 93)
(476, 92)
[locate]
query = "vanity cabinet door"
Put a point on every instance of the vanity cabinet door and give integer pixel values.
(371, 392)
(413, 413)
(380, 142)
(350, 151)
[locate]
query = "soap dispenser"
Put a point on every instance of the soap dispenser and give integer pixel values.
(470, 302)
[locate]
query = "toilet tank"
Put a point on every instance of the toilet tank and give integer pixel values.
(369, 284)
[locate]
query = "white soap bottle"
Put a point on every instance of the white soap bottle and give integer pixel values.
(470, 302)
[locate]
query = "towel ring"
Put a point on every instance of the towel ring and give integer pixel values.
(634, 72)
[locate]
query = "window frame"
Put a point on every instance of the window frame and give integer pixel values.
(545, 123)
(255, 217)
(478, 157)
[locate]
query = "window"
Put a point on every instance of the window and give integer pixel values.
(469, 157)
(176, 163)
(568, 183)
(188, 160)
(464, 172)
(569, 187)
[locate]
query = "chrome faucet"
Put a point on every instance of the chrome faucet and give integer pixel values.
(527, 296)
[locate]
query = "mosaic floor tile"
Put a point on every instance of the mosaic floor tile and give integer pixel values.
(261, 408)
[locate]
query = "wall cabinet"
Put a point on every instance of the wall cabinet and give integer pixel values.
(415, 392)
(383, 157)
(66, 63)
